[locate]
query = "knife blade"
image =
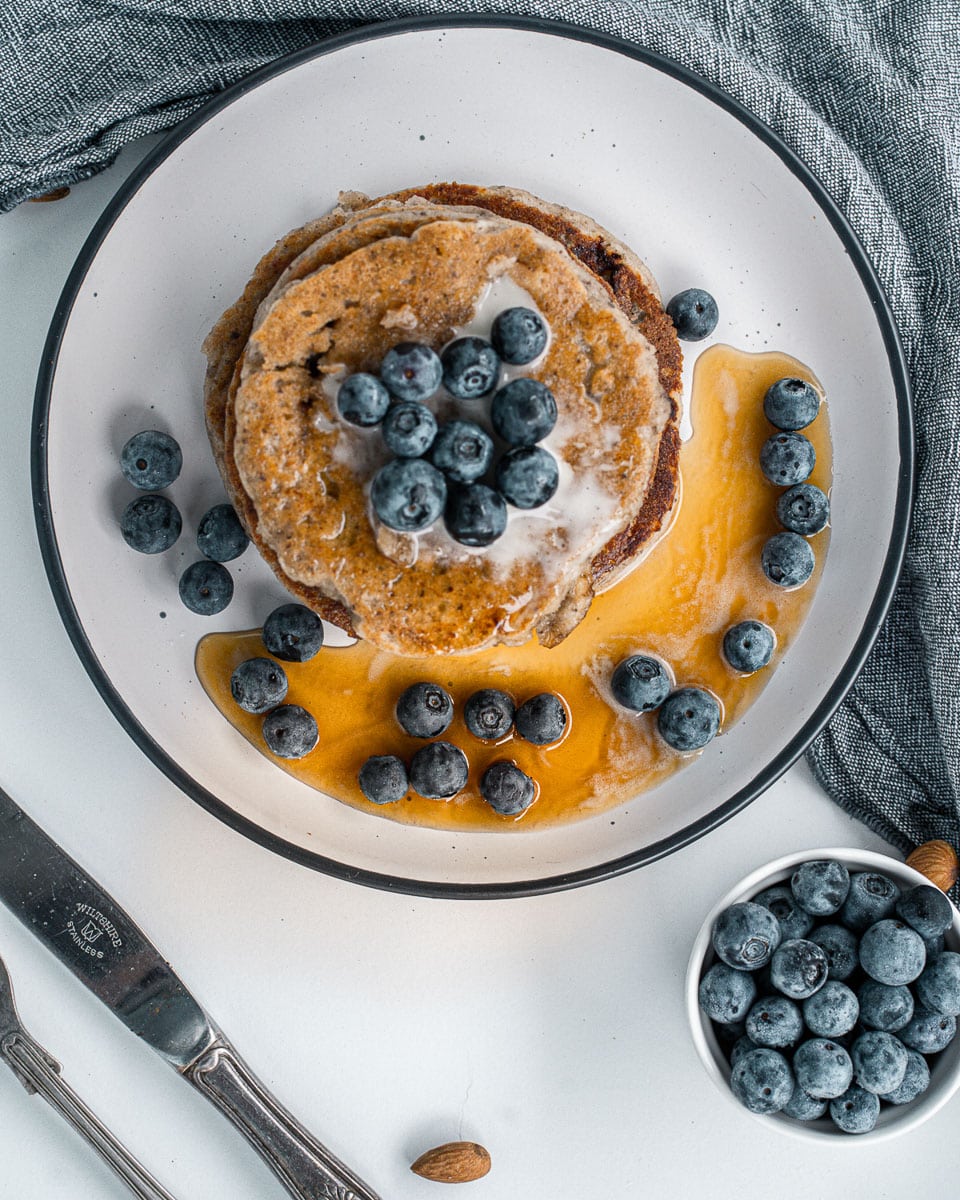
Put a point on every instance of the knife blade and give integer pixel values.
(94, 938)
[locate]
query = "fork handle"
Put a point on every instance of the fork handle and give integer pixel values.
(39, 1072)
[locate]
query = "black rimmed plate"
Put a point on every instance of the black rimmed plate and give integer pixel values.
(706, 194)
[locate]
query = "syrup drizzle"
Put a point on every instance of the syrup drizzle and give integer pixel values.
(701, 577)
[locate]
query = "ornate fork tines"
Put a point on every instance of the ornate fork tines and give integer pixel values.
(40, 1073)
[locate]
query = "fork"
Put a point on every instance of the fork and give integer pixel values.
(39, 1072)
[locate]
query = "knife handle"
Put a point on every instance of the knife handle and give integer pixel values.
(306, 1168)
(39, 1072)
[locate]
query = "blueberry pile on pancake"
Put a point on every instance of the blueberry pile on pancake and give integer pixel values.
(331, 299)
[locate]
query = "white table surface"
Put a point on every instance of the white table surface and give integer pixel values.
(550, 1029)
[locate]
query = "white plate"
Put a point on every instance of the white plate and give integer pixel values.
(702, 191)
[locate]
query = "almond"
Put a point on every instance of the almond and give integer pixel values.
(57, 194)
(938, 861)
(453, 1162)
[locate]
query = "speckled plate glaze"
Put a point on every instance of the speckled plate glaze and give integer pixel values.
(705, 193)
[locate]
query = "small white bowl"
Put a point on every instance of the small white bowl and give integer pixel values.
(894, 1119)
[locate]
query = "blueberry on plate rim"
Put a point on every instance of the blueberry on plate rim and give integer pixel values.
(748, 646)
(694, 314)
(787, 459)
(206, 587)
(220, 536)
(150, 524)
(787, 560)
(151, 460)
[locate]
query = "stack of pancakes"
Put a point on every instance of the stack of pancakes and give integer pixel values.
(422, 265)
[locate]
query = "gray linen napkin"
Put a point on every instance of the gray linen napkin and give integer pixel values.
(866, 91)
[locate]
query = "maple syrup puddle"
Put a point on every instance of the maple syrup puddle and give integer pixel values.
(702, 577)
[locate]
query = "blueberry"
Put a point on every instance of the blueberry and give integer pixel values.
(424, 710)
(462, 451)
(640, 683)
(884, 1006)
(787, 560)
(470, 368)
(823, 1068)
(856, 1111)
(891, 952)
(220, 535)
(742, 1045)
(820, 886)
(519, 335)
(383, 779)
(411, 371)
(688, 719)
(934, 946)
(762, 1081)
(438, 771)
(151, 460)
(791, 404)
(542, 719)
(150, 524)
(258, 685)
(839, 944)
(803, 509)
(527, 476)
(409, 429)
(871, 898)
(293, 632)
(916, 1080)
(938, 988)
(507, 789)
(523, 412)
(489, 714)
(748, 646)
(694, 313)
(879, 1061)
(787, 458)
(362, 400)
(927, 1031)
(206, 588)
(798, 968)
(833, 1011)
(925, 909)
(745, 936)
(774, 1021)
(290, 731)
(475, 515)
(793, 921)
(408, 494)
(726, 995)
(804, 1107)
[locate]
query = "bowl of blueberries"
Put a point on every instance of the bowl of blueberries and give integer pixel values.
(823, 993)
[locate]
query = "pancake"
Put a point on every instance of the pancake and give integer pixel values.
(333, 297)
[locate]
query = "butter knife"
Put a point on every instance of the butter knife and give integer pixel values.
(93, 936)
